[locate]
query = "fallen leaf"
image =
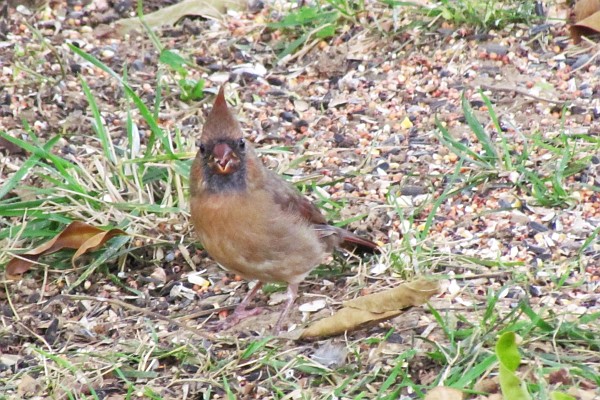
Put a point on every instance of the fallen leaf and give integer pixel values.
(182, 291)
(9, 359)
(171, 14)
(582, 394)
(560, 376)
(406, 123)
(78, 235)
(28, 386)
(277, 298)
(444, 393)
(487, 385)
(373, 308)
(587, 19)
(408, 294)
(585, 8)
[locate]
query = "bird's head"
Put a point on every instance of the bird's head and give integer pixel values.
(223, 150)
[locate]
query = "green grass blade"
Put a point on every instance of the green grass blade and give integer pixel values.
(457, 147)
(475, 372)
(18, 176)
(438, 202)
(156, 131)
(107, 252)
(64, 363)
(506, 156)
(292, 46)
(62, 166)
(105, 140)
(488, 146)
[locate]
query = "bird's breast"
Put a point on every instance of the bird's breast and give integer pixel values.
(250, 235)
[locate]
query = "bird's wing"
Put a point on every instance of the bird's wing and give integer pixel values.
(290, 199)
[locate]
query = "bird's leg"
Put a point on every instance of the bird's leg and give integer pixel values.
(240, 311)
(292, 293)
(246, 300)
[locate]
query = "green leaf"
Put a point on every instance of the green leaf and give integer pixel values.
(254, 347)
(505, 150)
(561, 396)
(508, 355)
(157, 132)
(191, 89)
(304, 16)
(230, 395)
(26, 167)
(290, 48)
(396, 3)
(174, 61)
(507, 351)
(198, 90)
(473, 373)
(326, 31)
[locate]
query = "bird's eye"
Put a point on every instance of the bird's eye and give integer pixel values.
(242, 144)
(202, 148)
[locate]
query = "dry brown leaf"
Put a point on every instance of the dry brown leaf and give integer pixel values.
(585, 8)
(28, 386)
(78, 235)
(373, 308)
(587, 19)
(444, 393)
(406, 295)
(171, 14)
(582, 394)
(487, 385)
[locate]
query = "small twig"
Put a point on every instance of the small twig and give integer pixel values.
(205, 313)
(585, 64)
(483, 276)
(37, 336)
(10, 303)
(520, 91)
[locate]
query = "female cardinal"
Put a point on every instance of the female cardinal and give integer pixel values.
(250, 220)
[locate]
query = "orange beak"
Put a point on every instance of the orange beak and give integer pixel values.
(223, 156)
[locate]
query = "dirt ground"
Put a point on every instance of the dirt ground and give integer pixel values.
(355, 121)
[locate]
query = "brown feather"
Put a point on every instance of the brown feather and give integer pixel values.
(288, 198)
(221, 123)
(249, 219)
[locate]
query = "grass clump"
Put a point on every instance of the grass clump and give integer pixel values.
(484, 14)
(541, 167)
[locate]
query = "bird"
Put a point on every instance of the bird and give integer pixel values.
(253, 222)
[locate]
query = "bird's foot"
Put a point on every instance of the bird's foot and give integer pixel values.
(235, 318)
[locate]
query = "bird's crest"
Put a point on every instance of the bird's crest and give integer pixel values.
(221, 123)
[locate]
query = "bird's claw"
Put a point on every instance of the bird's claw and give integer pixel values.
(235, 318)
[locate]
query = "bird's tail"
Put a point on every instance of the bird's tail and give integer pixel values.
(338, 237)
